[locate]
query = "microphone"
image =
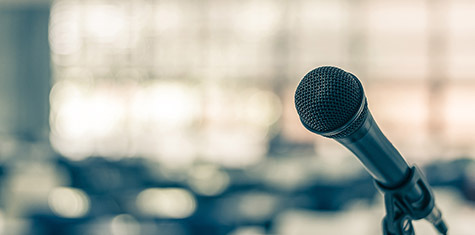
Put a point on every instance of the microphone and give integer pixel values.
(332, 103)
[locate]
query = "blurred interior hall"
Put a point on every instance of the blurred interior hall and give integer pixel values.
(177, 117)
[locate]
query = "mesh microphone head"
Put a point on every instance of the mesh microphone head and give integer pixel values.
(331, 102)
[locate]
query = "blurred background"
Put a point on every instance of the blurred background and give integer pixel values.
(176, 117)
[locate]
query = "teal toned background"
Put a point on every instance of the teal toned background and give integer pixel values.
(177, 117)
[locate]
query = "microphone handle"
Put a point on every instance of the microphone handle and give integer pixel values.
(378, 155)
(392, 175)
(380, 158)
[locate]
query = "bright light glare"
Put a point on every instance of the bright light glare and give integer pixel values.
(174, 203)
(166, 105)
(104, 22)
(68, 202)
(152, 119)
(80, 114)
(208, 180)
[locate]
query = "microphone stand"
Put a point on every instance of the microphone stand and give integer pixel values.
(400, 210)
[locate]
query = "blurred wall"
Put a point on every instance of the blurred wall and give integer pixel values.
(25, 72)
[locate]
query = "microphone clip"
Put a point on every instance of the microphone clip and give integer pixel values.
(412, 200)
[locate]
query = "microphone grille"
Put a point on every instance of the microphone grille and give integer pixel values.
(327, 98)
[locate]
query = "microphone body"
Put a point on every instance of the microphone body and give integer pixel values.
(380, 158)
(332, 103)
(378, 155)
